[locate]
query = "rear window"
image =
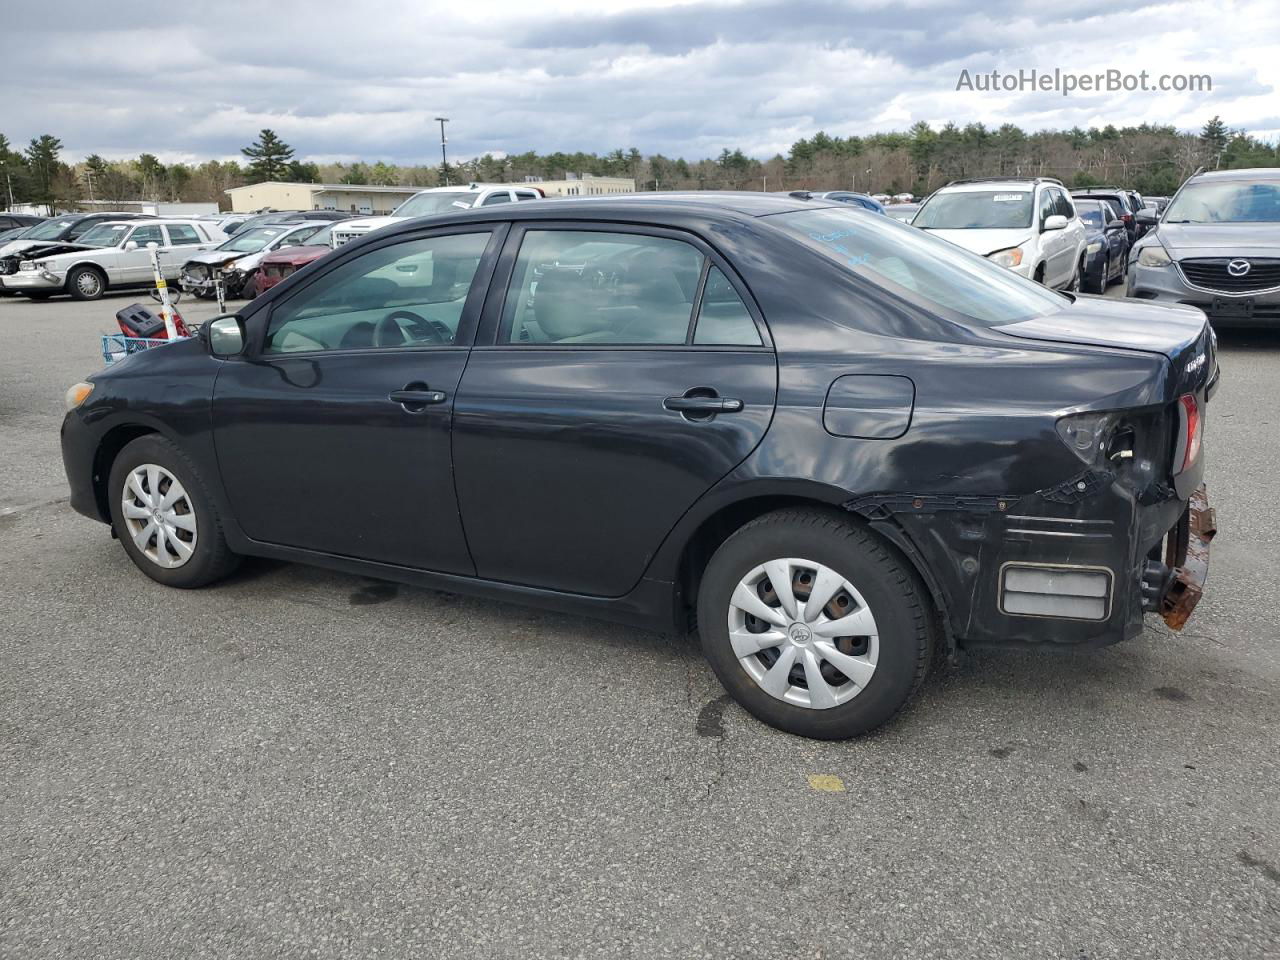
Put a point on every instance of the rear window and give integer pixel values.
(926, 271)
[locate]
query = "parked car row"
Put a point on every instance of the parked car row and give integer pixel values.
(236, 262)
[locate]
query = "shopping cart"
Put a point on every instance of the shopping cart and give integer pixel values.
(117, 346)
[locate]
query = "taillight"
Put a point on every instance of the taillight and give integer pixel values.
(1127, 218)
(1192, 430)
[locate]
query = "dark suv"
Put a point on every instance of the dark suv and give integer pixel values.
(832, 441)
(1123, 200)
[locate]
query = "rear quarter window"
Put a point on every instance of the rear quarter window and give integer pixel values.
(924, 270)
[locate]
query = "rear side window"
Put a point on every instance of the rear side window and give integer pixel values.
(409, 294)
(584, 287)
(723, 319)
(495, 198)
(924, 270)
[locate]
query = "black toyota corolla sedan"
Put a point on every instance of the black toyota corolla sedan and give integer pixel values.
(833, 443)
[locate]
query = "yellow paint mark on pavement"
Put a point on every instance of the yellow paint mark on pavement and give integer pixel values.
(826, 782)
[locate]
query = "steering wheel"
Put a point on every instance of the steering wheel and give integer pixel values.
(389, 333)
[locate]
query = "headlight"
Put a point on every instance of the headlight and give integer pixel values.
(1011, 257)
(1153, 256)
(1094, 247)
(27, 265)
(78, 394)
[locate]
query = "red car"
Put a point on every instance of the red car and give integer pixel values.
(289, 260)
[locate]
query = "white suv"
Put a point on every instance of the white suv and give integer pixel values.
(1027, 225)
(435, 201)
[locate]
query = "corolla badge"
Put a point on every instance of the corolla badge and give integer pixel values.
(1238, 268)
(1195, 364)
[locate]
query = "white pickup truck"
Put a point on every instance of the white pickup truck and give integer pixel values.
(435, 201)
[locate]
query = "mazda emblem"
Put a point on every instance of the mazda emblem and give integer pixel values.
(1238, 268)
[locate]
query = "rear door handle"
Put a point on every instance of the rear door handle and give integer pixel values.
(702, 404)
(416, 398)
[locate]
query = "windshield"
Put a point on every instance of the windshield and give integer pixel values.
(430, 204)
(1090, 213)
(921, 269)
(976, 210)
(251, 241)
(51, 229)
(1229, 201)
(320, 238)
(105, 235)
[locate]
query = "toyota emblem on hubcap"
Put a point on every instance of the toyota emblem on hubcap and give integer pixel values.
(799, 633)
(1238, 268)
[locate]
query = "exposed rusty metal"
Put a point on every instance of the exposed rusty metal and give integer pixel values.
(1189, 542)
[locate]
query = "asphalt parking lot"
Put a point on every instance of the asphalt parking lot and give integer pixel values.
(302, 763)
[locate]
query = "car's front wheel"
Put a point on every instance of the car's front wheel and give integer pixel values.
(86, 283)
(813, 624)
(164, 516)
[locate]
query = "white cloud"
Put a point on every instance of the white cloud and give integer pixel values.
(345, 80)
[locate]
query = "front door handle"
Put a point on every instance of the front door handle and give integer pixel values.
(416, 399)
(702, 404)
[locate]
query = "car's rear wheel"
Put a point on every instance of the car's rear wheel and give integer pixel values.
(164, 516)
(86, 283)
(813, 624)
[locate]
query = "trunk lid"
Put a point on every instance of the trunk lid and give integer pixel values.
(1177, 332)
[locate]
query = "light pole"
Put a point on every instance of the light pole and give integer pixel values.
(444, 156)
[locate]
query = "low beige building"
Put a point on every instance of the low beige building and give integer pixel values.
(348, 197)
(583, 186)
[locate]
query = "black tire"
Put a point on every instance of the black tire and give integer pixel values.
(1101, 285)
(81, 285)
(1038, 276)
(211, 559)
(891, 590)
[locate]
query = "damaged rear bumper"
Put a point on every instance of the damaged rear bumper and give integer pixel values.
(1187, 557)
(1080, 565)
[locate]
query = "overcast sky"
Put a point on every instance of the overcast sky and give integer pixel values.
(364, 78)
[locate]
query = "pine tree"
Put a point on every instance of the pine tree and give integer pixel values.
(269, 156)
(43, 164)
(1215, 136)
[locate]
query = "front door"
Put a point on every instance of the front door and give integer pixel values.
(622, 375)
(133, 267)
(333, 435)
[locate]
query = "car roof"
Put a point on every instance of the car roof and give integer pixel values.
(1013, 183)
(1245, 173)
(659, 209)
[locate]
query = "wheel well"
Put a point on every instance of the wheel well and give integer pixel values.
(112, 443)
(718, 527)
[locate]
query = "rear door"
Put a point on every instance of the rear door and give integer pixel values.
(333, 434)
(620, 372)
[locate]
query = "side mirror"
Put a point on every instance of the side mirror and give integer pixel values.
(1114, 225)
(131, 245)
(1146, 216)
(225, 336)
(1055, 222)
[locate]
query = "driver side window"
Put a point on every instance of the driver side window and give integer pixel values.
(409, 294)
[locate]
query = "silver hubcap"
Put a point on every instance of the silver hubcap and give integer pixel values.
(88, 283)
(803, 633)
(159, 516)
